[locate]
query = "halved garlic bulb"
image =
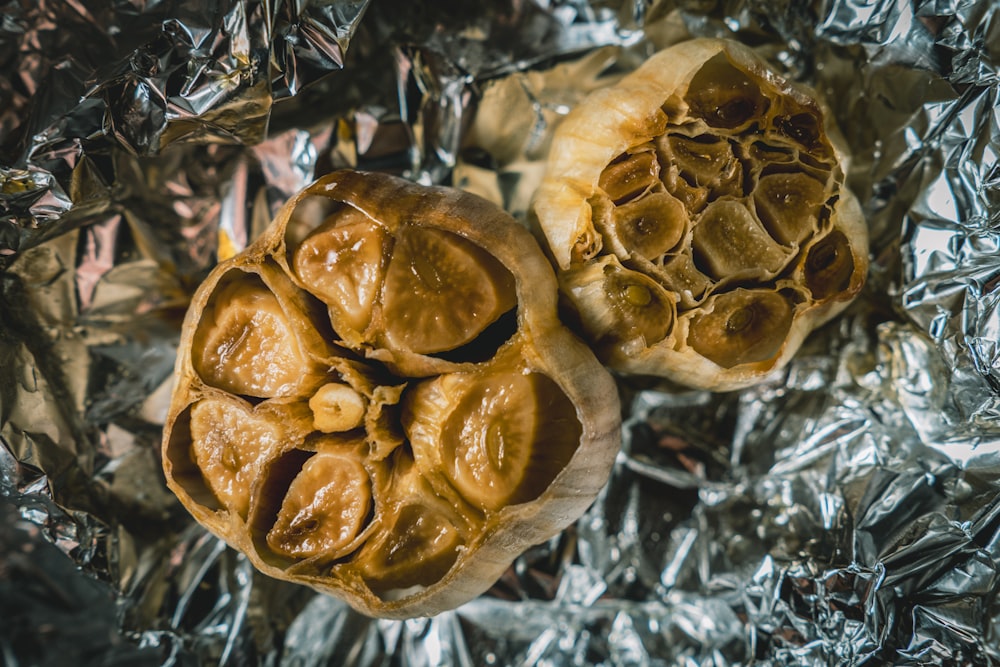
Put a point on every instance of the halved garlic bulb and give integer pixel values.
(707, 175)
(377, 398)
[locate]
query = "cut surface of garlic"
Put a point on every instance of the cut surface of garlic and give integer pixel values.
(698, 217)
(324, 507)
(377, 398)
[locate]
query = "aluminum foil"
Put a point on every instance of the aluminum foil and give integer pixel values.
(845, 512)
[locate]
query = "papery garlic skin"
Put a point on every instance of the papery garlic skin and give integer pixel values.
(377, 398)
(709, 175)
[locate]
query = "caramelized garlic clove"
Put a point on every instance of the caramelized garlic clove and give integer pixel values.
(802, 124)
(419, 538)
(325, 508)
(618, 305)
(694, 197)
(724, 96)
(680, 275)
(442, 291)
(728, 241)
(247, 345)
(500, 437)
(419, 546)
(651, 225)
(228, 444)
(343, 262)
(705, 161)
(629, 176)
(830, 266)
(741, 327)
(789, 205)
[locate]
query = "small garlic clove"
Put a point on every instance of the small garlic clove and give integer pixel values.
(337, 407)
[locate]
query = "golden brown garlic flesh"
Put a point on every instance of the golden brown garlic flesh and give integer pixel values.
(378, 400)
(709, 184)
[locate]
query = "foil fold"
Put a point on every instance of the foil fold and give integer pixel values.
(90, 81)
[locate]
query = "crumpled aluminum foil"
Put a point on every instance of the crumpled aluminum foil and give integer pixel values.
(845, 512)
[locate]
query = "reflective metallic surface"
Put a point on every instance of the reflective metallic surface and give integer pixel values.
(845, 512)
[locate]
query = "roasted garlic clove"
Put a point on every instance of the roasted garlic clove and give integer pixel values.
(747, 229)
(706, 161)
(741, 327)
(629, 175)
(252, 343)
(418, 548)
(324, 508)
(220, 444)
(378, 399)
(228, 444)
(649, 227)
(731, 243)
(407, 292)
(344, 263)
(420, 536)
(830, 267)
(499, 435)
(635, 310)
(724, 95)
(430, 273)
(789, 206)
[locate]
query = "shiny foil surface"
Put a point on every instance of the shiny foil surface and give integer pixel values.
(845, 512)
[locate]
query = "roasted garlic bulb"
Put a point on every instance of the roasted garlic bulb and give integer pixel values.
(698, 217)
(377, 398)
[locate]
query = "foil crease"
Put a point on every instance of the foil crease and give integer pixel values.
(83, 81)
(845, 512)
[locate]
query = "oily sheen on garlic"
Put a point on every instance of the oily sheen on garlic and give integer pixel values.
(378, 400)
(698, 217)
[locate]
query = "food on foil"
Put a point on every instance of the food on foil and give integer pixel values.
(377, 399)
(699, 219)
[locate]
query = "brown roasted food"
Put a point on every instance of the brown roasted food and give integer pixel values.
(698, 217)
(377, 399)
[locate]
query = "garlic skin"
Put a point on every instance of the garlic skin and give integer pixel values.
(365, 398)
(707, 174)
